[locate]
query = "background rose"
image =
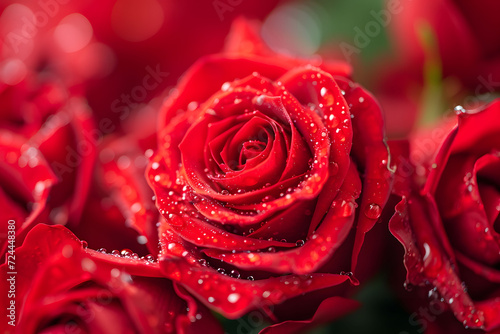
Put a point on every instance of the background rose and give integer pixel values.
(467, 38)
(36, 113)
(112, 51)
(445, 52)
(61, 287)
(256, 177)
(59, 168)
(449, 228)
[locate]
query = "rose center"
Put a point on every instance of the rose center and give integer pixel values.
(251, 149)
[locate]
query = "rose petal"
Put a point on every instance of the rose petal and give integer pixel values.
(316, 88)
(425, 259)
(372, 155)
(320, 246)
(329, 310)
(27, 176)
(124, 180)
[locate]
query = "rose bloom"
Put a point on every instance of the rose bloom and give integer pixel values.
(267, 168)
(449, 226)
(60, 286)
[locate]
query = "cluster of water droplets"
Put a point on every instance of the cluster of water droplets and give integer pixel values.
(124, 253)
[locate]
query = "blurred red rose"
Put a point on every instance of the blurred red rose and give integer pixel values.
(122, 55)
(446, 52)
(467, 36)
(262, 161)
(61, 286)
(450, 226)
(60, 166)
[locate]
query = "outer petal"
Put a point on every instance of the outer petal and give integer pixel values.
(329, 309)
(25, 173)
(123, 177)
(371, 153)
(315, 88)
(67, 140)
(232, 297)
(425, 259)
(66, 275)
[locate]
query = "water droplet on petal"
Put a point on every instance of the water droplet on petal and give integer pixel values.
(233, 297)
(408, 286)
(225, 86)
(235, 274)
(300, 243)
(126, 253)
(373, 211)
(459, 110)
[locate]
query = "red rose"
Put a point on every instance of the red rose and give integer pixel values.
(262, 161)
(45, 155)
(61, 286)
(58, 167)
(449, 227)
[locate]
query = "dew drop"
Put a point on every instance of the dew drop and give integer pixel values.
(300, 243)
(233, 297)
(373, 211)
(459, 110)
(408, 286)
(225, 86)
(126, 253)
(235, 274)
